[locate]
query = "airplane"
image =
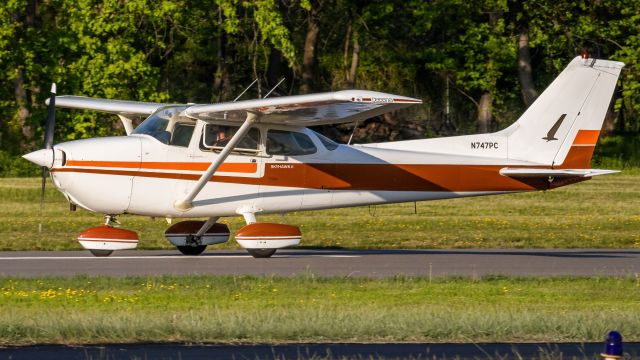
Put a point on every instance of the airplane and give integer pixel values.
(253, 157)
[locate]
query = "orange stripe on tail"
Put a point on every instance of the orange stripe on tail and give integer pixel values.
(587, 137)
(581, 151)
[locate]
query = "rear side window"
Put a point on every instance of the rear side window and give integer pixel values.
(280, 142)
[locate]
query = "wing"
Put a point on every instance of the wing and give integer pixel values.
(120, 107)
(307, 110)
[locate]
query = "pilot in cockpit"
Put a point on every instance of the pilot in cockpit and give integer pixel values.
(221, 138)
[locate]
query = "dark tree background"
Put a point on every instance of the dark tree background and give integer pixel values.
(476, 64)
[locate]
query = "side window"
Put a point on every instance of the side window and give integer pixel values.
(280, 142)
(217, 136)
(182, 134)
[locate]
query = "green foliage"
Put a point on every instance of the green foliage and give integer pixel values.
(619, 152)
(271, 25)
(15, 166)
(195, 51)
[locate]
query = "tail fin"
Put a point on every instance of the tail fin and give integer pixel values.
(562, 126)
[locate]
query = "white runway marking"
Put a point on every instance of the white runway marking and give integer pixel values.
(155, 257)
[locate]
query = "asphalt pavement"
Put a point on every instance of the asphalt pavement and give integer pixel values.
(487, 351)
(369, 263)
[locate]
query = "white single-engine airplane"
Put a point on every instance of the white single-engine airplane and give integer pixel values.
(258, 157)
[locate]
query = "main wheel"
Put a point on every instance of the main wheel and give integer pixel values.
(101, 253)
(261, 253)
(192, 250)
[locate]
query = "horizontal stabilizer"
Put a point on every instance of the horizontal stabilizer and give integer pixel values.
(529, 172)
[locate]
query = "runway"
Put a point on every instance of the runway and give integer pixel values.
(367, 263)
(316, 351)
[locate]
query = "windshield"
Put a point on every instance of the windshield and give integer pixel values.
(167, 126)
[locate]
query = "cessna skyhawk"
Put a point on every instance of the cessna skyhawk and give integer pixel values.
(254, 157)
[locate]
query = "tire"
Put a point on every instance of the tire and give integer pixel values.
(261, 253)
(101, 253)
(192, 250)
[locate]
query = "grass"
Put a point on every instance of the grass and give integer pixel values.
(600, 213)
(309, 309)
(604, 212)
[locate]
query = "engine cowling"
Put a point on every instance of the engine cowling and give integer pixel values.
(182, 233)
(268, 236)
(106, 237)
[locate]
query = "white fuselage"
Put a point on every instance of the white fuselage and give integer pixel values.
(277, 165)
(138, 174)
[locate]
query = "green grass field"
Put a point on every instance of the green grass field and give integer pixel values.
(247, 309)
(603, 212)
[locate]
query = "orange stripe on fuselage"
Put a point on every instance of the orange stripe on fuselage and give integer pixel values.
(365, 177)
(195, 166)
(586, 137)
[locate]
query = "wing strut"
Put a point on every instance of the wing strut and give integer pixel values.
(187, 203)
(127, 123)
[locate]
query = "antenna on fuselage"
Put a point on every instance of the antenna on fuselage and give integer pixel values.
(355, 127)
(239, 96)
(275, 87)
(245, 90)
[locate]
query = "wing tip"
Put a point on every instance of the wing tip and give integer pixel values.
(367, 96)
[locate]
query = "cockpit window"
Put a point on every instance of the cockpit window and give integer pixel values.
(326, 142)
(167, 126)
(280, 142)
(217, 136)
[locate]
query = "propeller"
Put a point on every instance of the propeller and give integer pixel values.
(51, 119)
(48, 144)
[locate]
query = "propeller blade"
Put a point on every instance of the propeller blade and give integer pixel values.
(44, 184)
(51, 119)
(48, 144)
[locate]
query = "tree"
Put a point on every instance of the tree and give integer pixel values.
(474, 51)
(476, 64)
(310, 41)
